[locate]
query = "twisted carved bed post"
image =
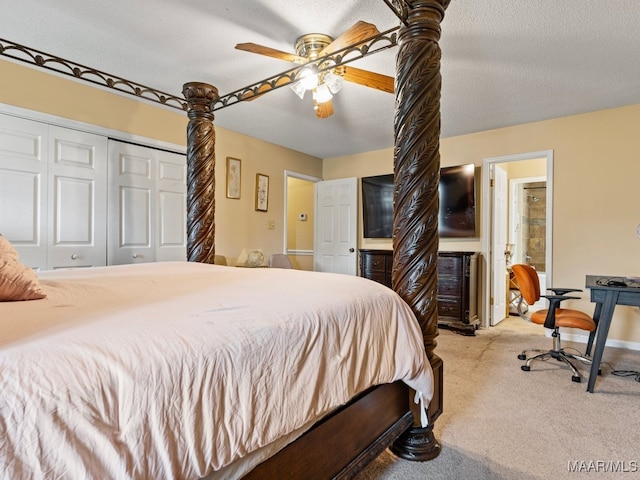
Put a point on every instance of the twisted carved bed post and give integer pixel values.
(417, 171)
(201, 162)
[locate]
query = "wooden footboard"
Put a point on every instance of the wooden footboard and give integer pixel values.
(342, 444)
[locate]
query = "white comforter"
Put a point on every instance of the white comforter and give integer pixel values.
(176, 370)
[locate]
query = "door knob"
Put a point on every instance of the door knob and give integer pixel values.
(351, 250)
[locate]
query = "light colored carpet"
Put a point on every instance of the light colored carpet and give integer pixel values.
(502, 423)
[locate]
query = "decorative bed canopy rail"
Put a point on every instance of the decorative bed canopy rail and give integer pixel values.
(19, 52)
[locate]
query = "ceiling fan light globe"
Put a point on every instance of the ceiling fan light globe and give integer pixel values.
(322, 93)
(299, 89)
(334, 82)
(308, 78)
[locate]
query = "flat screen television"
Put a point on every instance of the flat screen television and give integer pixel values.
(377, 206)
(457, 214)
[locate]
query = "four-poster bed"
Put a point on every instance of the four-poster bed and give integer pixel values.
(344, 441)
(415, 242)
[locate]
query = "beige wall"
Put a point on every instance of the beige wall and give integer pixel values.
(595, 214)
(238, 225)
(596, 170)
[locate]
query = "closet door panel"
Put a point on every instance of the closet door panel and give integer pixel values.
(135, 218)
(131, 209)
(172, 207)
(23, 190)
(78, 203)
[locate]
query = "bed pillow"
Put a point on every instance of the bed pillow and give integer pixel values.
(7, 250)
(17, 281)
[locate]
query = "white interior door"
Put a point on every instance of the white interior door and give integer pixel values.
(498, 245)
(336, 226)
(23, 188)
(77, 199)
(171, 230)
(131, 206)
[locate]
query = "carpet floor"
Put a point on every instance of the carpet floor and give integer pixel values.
(500, 422)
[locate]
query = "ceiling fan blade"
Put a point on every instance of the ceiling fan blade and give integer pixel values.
(358, 32)
(270, 52)
(369, 79)
(323, 110)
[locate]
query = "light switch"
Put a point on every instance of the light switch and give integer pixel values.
(272, 225)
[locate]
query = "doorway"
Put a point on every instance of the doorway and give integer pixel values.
(299, 221)
(528, 225)
(527, 217)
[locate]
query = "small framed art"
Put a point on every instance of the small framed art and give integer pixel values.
(233, 177)
(262, 192)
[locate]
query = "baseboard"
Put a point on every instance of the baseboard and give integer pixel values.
(611, 342)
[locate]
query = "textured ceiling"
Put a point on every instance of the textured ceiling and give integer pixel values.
(503, 62)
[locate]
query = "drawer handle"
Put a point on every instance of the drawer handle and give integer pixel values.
(135, 255)
(74, 256)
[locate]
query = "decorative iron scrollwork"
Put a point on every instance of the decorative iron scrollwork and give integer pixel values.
(67, 67)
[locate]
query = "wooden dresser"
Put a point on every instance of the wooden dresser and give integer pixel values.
(457, 285)
(458, 291)
(376, 265)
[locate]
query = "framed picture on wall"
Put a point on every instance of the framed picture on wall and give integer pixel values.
(262, 192)
(233, 177)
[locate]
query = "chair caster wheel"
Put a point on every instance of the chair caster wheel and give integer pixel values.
(526, 368)
(522, 356)
(576, 379)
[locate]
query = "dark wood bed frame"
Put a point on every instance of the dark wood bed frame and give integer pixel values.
(342, 444)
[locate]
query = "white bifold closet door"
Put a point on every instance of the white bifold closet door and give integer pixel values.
(53, 202)
(147, 204)
(77, 199)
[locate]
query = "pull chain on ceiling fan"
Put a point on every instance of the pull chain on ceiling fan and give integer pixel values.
(328, 82)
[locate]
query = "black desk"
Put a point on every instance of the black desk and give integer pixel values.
(605, 298)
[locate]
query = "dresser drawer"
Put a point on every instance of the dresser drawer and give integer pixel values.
(449, 265)
(449, 286)
(374, 263)
(448, 308)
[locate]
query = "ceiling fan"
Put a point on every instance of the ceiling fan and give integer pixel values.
(326, 83)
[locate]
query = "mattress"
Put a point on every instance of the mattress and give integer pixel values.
(180, 370)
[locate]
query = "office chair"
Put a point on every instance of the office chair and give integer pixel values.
(553, 318)
(279, 260)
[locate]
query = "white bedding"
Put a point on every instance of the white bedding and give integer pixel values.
(176, 369)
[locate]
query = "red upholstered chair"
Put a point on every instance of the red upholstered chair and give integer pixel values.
(553, 318)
